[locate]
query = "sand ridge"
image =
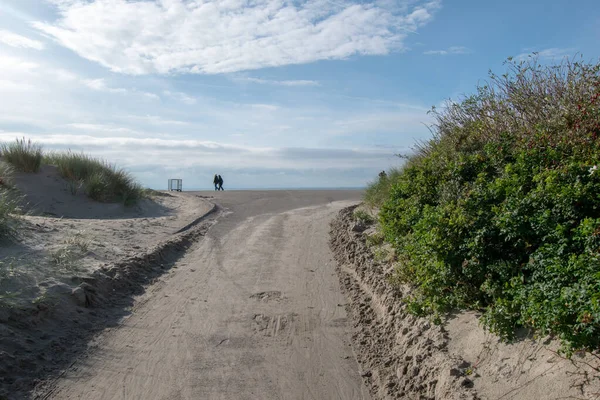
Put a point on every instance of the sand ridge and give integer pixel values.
(404, 356)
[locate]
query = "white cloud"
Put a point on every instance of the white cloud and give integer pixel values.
(156, 120)
(173, 153)
(384, 102)
(103, 129)
(220, 36)
(148, 95)
(14, 40)
(280, 83)
(265, 107)
(9, 64)
(106, 116)
(100, 85)
(64, 75)
(10, 86)
(449, 50)
(381, 122)
(547, 54)
(180, 96)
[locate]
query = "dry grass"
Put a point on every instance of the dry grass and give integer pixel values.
(99, 179)
(24, 155)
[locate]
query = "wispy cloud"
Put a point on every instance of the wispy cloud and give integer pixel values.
(156, 120)
(547, 54)
(178, 152)
(101, 86)
(265, 107)
(384, 102)
(180, 96)
(101, 114)
(102, 129)
(279, 82)
(10, 86)
(9, 64)
(14, 40)
(449, 50)
(220, 36)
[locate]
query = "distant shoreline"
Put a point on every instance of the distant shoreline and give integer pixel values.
(269, 189)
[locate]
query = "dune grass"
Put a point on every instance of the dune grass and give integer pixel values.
(24, 155)
(99, 179)
(6, 175)
(9, 204)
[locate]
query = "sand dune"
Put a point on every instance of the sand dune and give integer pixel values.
(235, 295)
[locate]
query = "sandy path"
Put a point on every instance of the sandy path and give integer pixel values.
(254, 311)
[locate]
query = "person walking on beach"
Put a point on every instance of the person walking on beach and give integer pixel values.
(216, 182)
(220, 182)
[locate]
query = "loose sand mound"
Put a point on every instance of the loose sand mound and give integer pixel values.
(47, 193)
(40, 340)
(57, 267)
(408, 357)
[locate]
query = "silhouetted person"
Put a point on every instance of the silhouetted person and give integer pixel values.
(216, 182)
(220, 182)
(382, 175)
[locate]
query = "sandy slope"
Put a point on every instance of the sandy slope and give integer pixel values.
(408, 357)
(253, 311)
(64, 279)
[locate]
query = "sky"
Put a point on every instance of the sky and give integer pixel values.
(267, 93)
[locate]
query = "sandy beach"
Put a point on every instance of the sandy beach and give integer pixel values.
(243, 295)
(251, 310)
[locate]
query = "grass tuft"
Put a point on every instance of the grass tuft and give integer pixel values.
(364, 217)
(73, 249)
(9, 202)
(99, 179)
(24, 155)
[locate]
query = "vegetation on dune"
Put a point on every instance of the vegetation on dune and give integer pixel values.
(99, 179)
(379, 191)
(8, 201)
(500, 210)
(24, 155)
(363, 216)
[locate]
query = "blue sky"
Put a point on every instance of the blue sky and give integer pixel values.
(268, 93)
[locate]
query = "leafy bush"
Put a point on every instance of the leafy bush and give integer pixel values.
(23, 154)
(378, 191)
(374, 239)
(500, 211)
(100, 180)
(363, 216)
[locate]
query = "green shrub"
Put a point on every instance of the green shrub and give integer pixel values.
(23, 154)
(363, 216)
(100, 180)
(378, 191)
(500, 211)
(374, 239)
